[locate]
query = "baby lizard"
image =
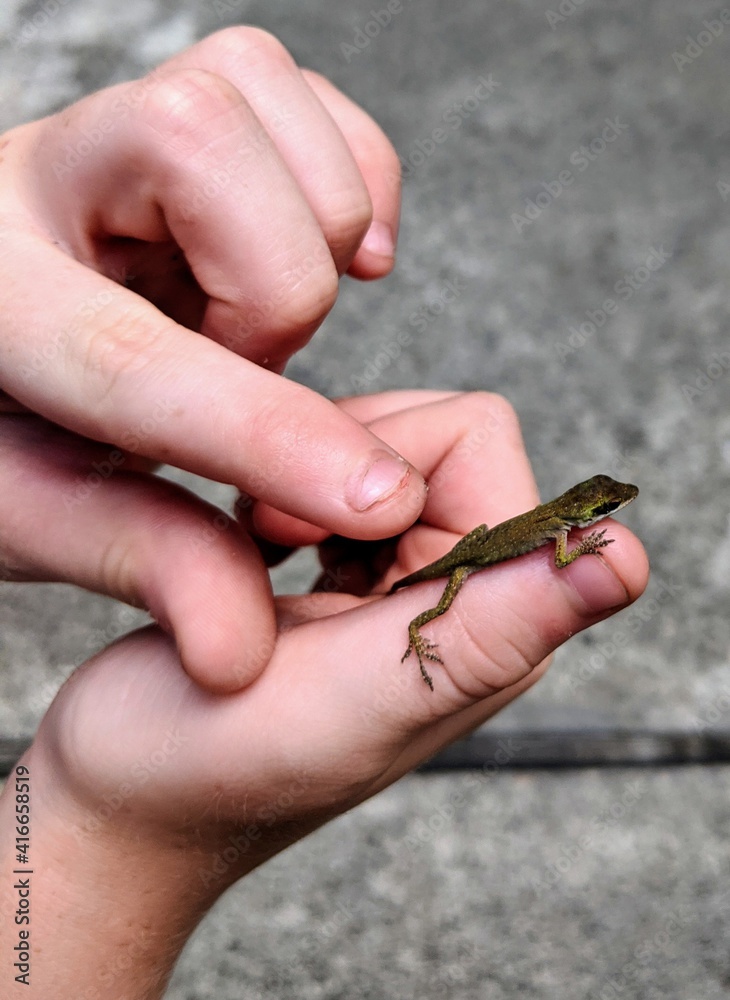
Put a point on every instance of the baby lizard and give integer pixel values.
(579, 507)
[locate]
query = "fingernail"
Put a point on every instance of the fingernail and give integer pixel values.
(597, 586)
(379, 239)
(381, 479)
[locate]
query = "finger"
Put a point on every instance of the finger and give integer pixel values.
(277, 530)
(504, 622)
(188, 164)
(108, 365)
(378, 163)
(334, 151)
(71, 512)
(357, 718)
(472, 440)
(466, 438)
(10, 405)
(382, 404)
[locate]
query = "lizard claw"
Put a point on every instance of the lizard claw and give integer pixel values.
(424, 650)
(593, 542)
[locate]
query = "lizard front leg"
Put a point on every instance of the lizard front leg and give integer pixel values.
(423, 647)
(591, 544)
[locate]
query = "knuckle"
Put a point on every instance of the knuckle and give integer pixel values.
(315, 299)
(185, 101)
(120, 347)
(277, 425)
(494, 409)
(118, 568)
(311, 292)
(292, 305)
(252, 45)
(312, 76)
(349, 213)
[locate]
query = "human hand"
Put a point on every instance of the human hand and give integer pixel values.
(139, 770)
(165, 242)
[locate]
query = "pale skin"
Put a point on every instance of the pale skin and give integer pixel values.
(116, 893)
(354, 720)
(112, 270)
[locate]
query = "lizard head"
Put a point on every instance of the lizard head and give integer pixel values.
(595, 499)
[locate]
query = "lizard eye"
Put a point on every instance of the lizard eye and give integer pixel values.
(606, 508)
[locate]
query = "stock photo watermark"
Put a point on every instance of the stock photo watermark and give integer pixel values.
(51, 351)
(87, 139)
(235, 168)
(132, 440)
(473, 442)
(391, 350)
(451, 120)
(632, 621)
(262, 311)
(716, 711)
(566, 9)
(378, 20)
(22, 875)
(38, 22)
(599, 827)
(222, 7)
(698, 44)
(705, 378)
(125, 619)
(581, 159)
(626, 982)
(425, 831)
(624, 289)
(437, 305)
(452, 973)
(141, 771)
(241, 843)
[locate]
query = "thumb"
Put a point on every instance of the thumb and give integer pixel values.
(507, 620)
(493, 643)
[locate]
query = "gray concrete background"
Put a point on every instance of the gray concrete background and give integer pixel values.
(365, 908)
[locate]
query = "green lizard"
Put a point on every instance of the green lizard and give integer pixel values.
(579, 507)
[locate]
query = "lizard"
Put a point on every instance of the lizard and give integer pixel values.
(578, 507)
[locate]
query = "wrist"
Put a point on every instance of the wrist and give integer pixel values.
(103, 909)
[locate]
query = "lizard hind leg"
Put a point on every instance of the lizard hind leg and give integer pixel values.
(423, 647)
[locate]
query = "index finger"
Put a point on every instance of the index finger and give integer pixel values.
(469, 438)
(107, 364)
